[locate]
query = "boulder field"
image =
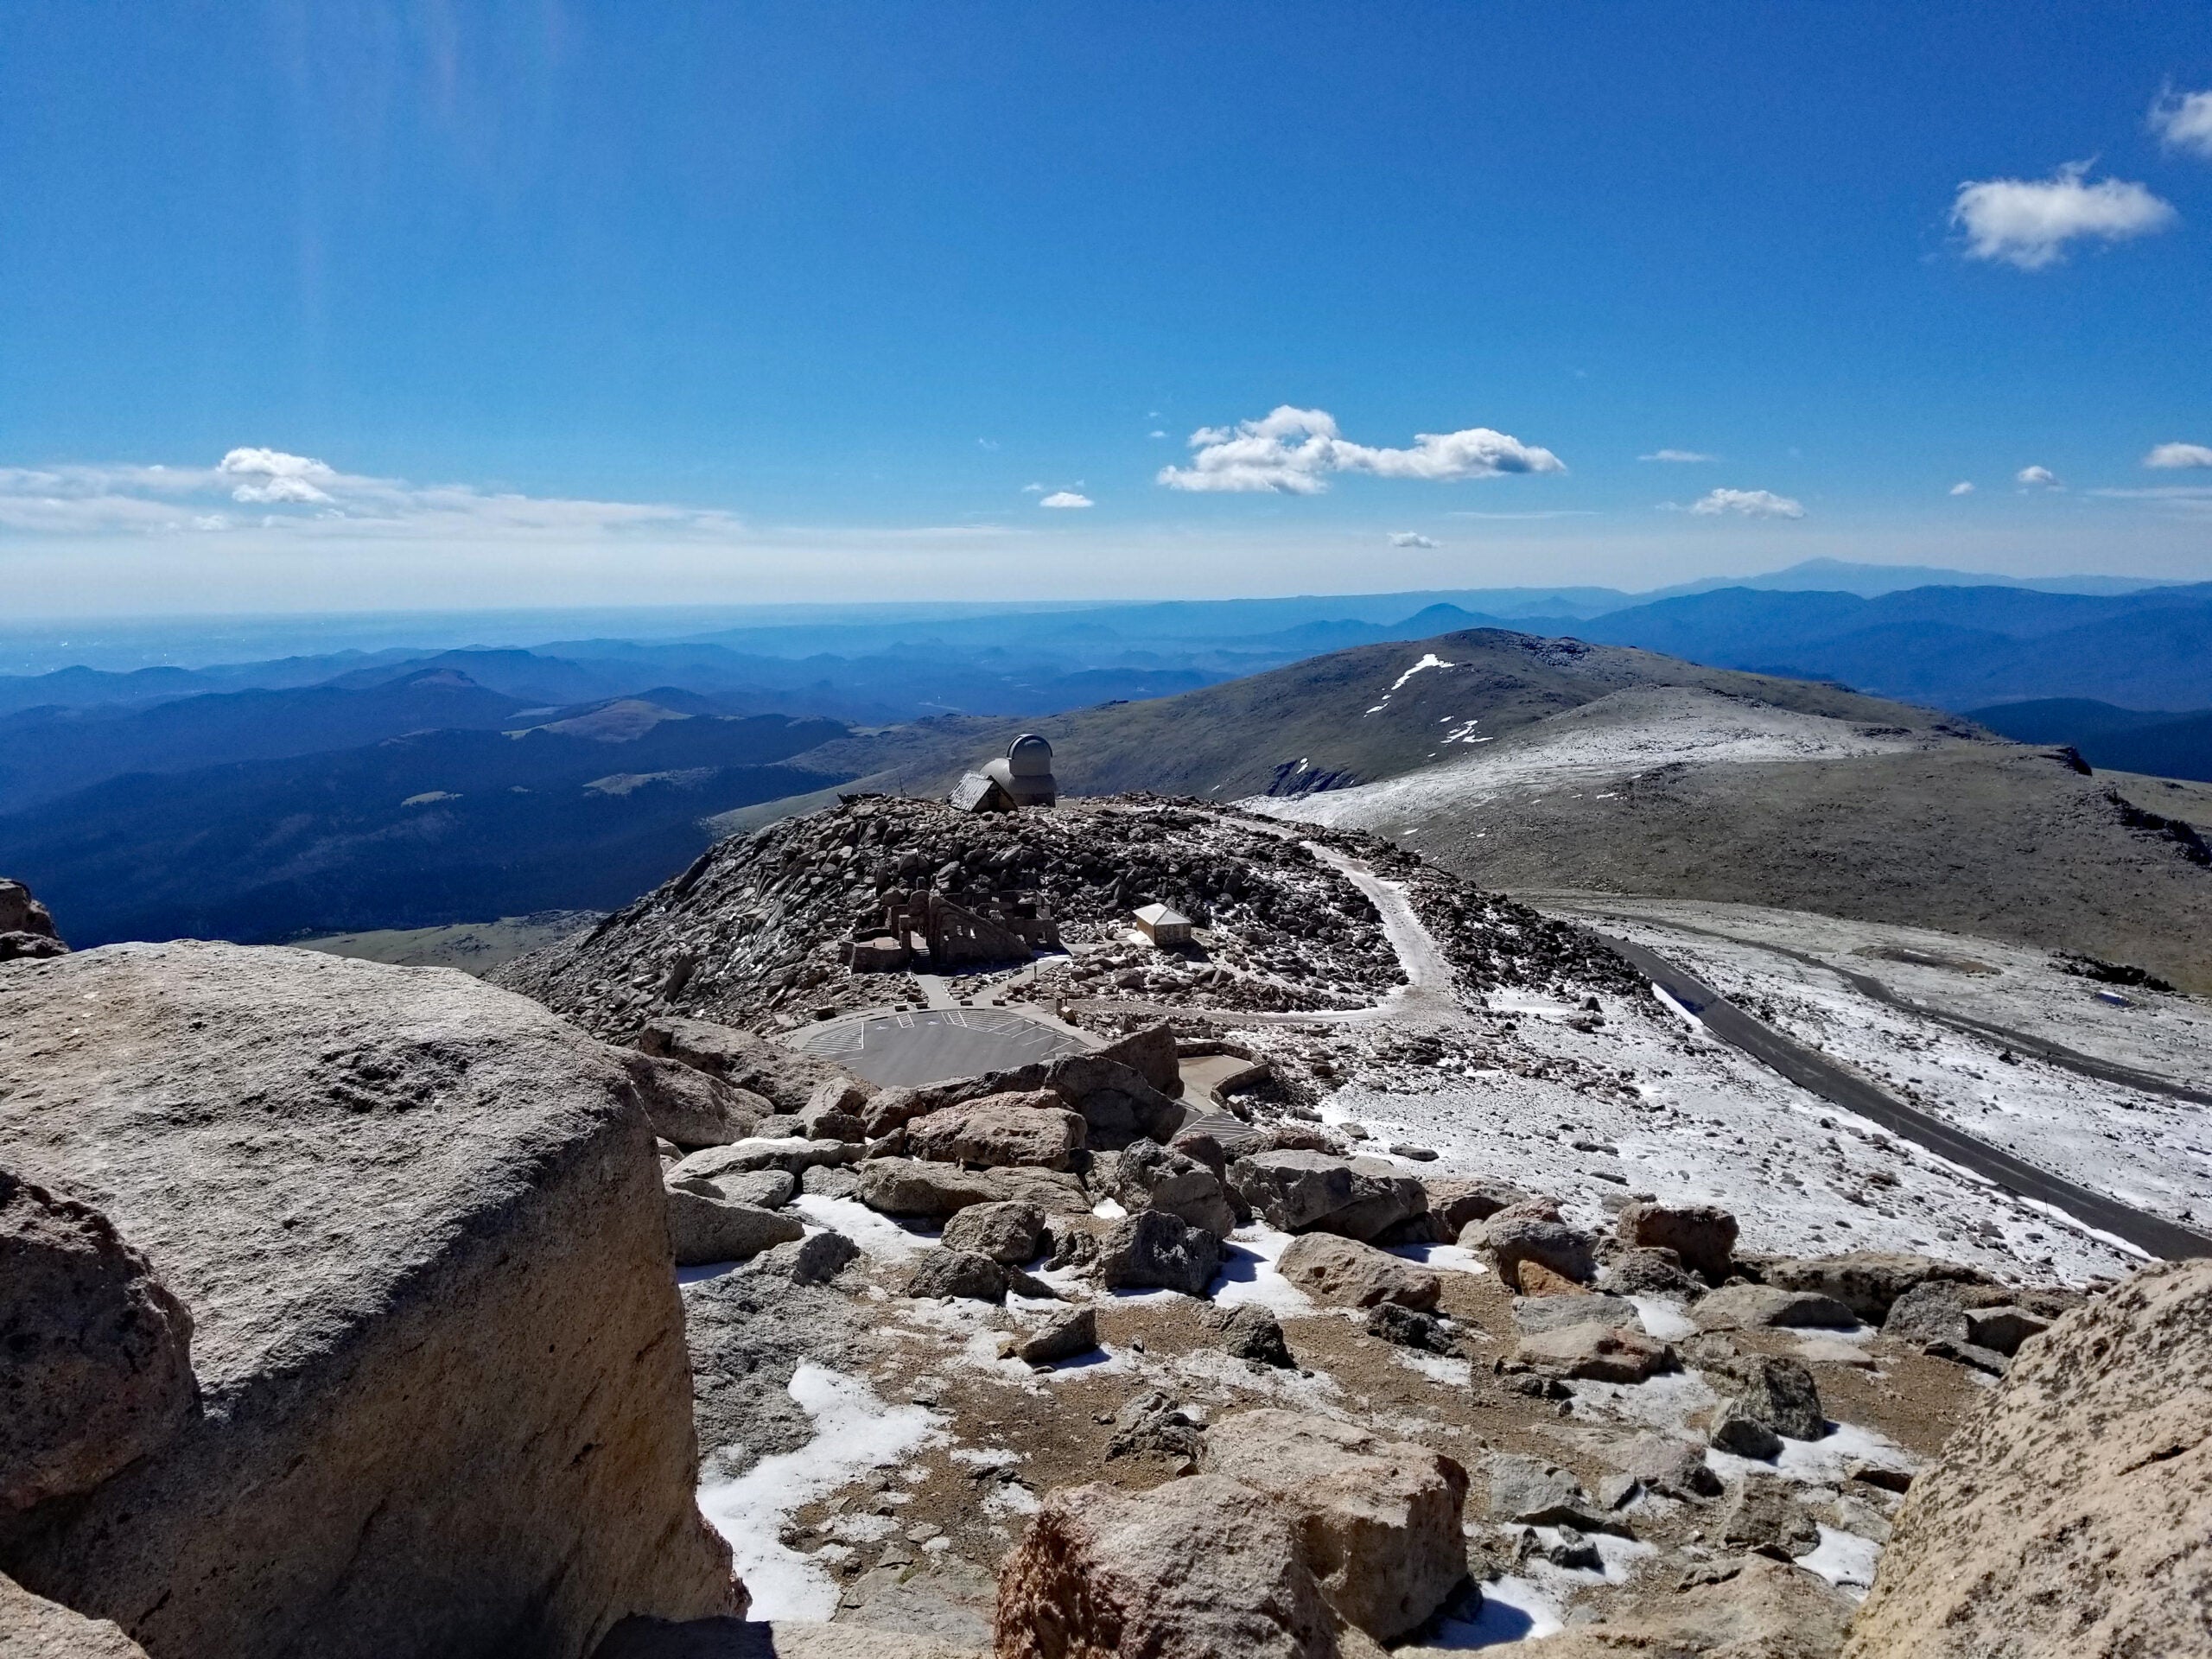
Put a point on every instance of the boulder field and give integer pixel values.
(338, 1312)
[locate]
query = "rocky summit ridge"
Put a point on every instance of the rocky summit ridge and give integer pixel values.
(1271, 1291)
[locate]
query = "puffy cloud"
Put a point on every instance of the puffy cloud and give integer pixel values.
(273, 477)
(1964, 487)
(2185, 121)
(1293, 450)
(2176, 455)
(2037, 478)
(1410, 538)
(1065, 499)
(1677, 455)
(2027, 222)
(1751, 503)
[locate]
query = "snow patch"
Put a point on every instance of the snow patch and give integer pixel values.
(877, 1235)
(1844, 1558)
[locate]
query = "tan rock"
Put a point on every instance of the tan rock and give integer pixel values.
(1378, 1519)
(999, 1131)
(1703, 1235)
(1202, 1569)
(691, 1107)
(2070, 1517)
(1595, 1352)
(31, 1627)
(1523, 1234)
(1344, 1273)
(1537, 1280)
(417, 1223)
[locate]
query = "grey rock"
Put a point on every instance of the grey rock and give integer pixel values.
(1153, 1425)
(1306, 1192)
(1533, 1314)
(814, 1260)
(1752, 1307)
(1673, 1468)
(1117, 1104)
(1868, 1282)
(1763, 1516)
(1149, 1176)
(417, 1223)
(2003, 1328)
(830, 1181)
(1531, 1492)
(703, 1229)
(1701, 1235)
(688, 1106)
(25, 928)
(789, 1154)
(1768, 1398)
(763, 1189)
(782, 1075)
(1253, 1335)
(1651, 1273)
(1063, 1337)
(98, 1365)
(1151, 1054)
(915, 1187)
(1344, 1273)
(959, 1273)
(30, 947)
(31, 1627)
(1510, 1240)
(1010, 1233)
(1595, 1353)
(1407, 1327)
(835, 1111)
(1154, 1248)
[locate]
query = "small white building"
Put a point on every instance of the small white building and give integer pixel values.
(1163, 926)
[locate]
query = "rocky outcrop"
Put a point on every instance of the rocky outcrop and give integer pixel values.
(417, 1226)
(1377, 1519)
(25, 928)
(1196, 1569)
(95, 1353)
(2070, 1517)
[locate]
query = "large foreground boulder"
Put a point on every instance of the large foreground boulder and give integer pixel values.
(416, 1222)
(2070, 1517)
(1200, 1568)
(32, 1627)
(1378, 1520)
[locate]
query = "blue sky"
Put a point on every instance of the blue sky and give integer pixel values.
(574, 303)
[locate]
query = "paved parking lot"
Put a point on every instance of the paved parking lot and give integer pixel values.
(932, 1044)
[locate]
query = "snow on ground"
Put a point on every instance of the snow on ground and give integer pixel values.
(1646, 1104)
(854, 1431)
(2149, 1150)
(1628, 732)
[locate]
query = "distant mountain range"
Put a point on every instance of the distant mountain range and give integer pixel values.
(2115, 740)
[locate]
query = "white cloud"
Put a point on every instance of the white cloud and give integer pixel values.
(2185, 121)
(2175, 455)
(1293, 450)
(1677, 455)
(2027, 222)
(307, 497)
(1033, 489)
(1155, 433)
(1751, 503)
(1066, 498)
(1410, 538)
(1964, 487)
(2037, 478)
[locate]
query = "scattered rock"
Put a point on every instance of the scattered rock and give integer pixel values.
(1151, 1054)
(1701, 1235)
(836, 1110)
(1253, 1335)
(1529, 1492)
(98, 1365)
(974, 1278)
(1009, 1233)
(1154, 1249)
(1652, 1273)
(783, 1077)
(2003, 1328)
(1764, 1516)
(1377, 1521)
(1768, 1399)
(999, 1131)
(914, 1187)
(2071, 1514)
(1749, 1608)
(1408, 1328)
(1195, 1569)
(1064, 1336)
(814, 1260)
(1868, 1282)
(1152, 1425)
(1596, 1353)
(1752, 1307)
(1535, 1313)
(1301, 1191)
(763, 1189)
(1511, 1241)
(1670, 1467)
(1117, 1104)
(1149, 1176)
(1343, 1272)
(829, 1180)
(703, 1229)
(789, 1153)
(691, 1107)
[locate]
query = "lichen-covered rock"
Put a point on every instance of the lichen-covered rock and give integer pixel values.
(1200, 1568)
(417, 1224)
(1010, 1233)
(31, 1627)
(1751, 1307)
(1344, 1273)
(702, 1229)
(1378, 1519)
(2070, 1517)
(95, 1353)
(1302, 1191)
(1149, 1176)
(1154, 1249)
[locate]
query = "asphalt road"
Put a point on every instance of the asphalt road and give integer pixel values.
(929, 1045)
(1813, 1070)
